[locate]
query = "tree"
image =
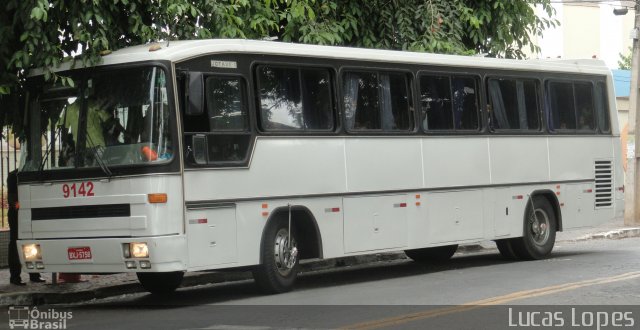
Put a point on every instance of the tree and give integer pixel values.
(43, 33)
(624, 62)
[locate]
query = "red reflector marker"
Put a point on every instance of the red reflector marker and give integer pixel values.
(518, 197)
(202, 220)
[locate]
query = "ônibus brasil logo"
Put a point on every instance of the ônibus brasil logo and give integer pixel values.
(25, 317)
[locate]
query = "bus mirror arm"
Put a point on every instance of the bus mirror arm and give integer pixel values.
(195, 94)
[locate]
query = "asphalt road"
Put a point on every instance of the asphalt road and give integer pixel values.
(580, 285)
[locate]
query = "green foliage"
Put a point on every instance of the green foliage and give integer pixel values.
(44, 33)
(624, 63)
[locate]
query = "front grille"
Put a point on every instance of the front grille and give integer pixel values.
(85, 211)
(604, 183)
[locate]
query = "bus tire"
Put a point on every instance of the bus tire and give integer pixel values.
(279, 268)
(539, 233)
(160, 283)
(506, 249)
(433, 254)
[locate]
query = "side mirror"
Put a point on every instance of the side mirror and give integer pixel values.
(195, 94)
(200, 149)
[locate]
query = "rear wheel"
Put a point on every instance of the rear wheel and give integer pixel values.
(160, 283)
(279, 268)
(434, 254)
(539, 234)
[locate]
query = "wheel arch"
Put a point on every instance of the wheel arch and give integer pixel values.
(309, 237)
(555, 204)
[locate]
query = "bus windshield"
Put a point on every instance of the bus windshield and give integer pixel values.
(108, 119)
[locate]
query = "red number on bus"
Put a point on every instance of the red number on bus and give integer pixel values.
(90, 188)
(84, 189)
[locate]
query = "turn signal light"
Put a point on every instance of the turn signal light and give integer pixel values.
(157, 198)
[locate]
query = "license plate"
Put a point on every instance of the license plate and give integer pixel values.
(79, 253)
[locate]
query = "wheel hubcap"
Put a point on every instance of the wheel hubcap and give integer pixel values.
(539, 226)
(285, 252)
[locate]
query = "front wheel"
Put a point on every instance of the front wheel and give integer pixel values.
(279, 268)
(160, 283)
(539, 234)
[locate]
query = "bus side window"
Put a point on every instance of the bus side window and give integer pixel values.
(377, 101)
(295, 99)
(584, 107)
(562, 115)
(572, 106)
(514, 104)
(449, 103)
(602, 107)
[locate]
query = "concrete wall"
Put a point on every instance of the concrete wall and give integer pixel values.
(586, 29)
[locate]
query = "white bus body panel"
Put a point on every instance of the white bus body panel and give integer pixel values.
(161, 225)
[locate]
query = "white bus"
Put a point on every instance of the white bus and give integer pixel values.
(213, 154)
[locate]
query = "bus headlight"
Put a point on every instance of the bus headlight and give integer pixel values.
(139, 250)
(31, 252)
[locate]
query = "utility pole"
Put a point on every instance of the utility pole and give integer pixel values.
(632, 180)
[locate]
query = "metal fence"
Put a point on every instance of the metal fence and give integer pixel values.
(9, 155)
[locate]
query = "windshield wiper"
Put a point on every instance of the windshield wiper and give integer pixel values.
(98, 157)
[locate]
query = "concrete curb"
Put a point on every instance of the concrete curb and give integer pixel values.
(202, 278)
(613, 234)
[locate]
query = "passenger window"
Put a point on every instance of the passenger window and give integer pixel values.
(561, 101)
(584, 107)
(602, 107)
(449, 103)
(435, 96)
(293, 99)
(572, 106)
(377, 101)
(361, 101)
(513, 104)
(225, 104)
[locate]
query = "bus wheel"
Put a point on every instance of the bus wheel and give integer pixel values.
(506, 249)
(279, 268)
(434, 254)
(160, 283)
(539, 234)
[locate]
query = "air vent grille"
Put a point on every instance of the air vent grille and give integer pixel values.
(604, 183)
(85, 211)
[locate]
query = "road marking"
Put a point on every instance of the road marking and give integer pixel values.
(397, 320)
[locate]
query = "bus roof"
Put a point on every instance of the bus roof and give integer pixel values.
(177, 51)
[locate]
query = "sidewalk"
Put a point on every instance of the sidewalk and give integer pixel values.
(102, 286)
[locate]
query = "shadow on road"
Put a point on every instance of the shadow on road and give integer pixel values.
(339, 276)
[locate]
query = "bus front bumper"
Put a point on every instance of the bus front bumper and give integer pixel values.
(104, 255)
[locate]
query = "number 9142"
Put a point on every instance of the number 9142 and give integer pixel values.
(84, 189)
